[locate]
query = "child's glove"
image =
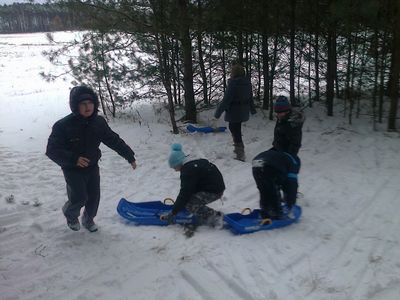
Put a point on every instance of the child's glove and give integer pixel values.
(168, 217)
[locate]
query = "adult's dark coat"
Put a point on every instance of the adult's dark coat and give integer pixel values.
(237, 102)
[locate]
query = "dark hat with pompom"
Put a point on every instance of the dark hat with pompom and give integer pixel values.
(282, 104)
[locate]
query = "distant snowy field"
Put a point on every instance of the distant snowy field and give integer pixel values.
(345, 247)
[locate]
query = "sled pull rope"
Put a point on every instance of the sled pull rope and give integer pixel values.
(169, 199)
(247, 209)
(266, 221)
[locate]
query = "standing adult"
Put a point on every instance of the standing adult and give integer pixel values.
(74, 145)
(237, 105)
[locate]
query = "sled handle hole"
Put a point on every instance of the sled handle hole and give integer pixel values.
(169, 199)
(244, 210)
(266, 221)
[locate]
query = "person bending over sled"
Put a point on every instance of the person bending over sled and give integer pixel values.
(275, 171)
(74, 145)
(201, 184)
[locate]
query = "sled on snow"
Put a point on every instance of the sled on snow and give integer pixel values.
(205, 129)
(148, 213)
(240, 223)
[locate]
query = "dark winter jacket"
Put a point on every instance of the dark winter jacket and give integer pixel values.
(75, 136)
(288, 133)
(198, 176)
(288, 167)
(237, 101)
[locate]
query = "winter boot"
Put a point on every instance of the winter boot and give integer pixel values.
(88, 223)
(189, 230)
(215, 220)
(239, 151)
(73, 224)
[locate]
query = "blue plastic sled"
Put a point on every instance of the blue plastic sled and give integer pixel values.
(241, 224)
(206, 129)
(148, 213)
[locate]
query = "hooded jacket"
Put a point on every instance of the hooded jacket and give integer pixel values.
(75, 136)
(237, 102)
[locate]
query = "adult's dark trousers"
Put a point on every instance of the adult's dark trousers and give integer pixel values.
(236, 131)
(83, 190)
(268, 181)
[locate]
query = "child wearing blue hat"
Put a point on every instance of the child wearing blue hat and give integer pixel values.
(201, 184)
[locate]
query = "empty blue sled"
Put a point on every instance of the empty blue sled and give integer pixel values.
(148, 213)
(241, 224)
(206, 129)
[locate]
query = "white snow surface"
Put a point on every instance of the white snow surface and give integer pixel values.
(344, 247)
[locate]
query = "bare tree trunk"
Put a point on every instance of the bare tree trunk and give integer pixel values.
(330, 76)
(273, 66)
(362, 69)
(309, 71)
(265, 63)
(201, 59)
(190, 105)
(240, 48)
(395, 72)
(258, 69)
(316, 59)
(382, 81)
(210, 66)
(292, 49)
(105, 74)
(223, 57)
(162, 53)
(202, 68)
(175, 71)
(376, 74)
(348, 73)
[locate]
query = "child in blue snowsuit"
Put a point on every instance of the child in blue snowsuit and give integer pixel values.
(276, 170)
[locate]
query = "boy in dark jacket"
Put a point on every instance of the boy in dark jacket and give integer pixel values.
(201, 184)
(74, 145)
(276, 170)
(288, 127)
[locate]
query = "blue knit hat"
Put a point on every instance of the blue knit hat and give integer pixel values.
(177, 156)
(282, 104)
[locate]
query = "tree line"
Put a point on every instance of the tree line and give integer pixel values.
(181, 50)
(31, 17)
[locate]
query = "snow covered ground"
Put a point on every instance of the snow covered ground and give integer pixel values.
(343, 248)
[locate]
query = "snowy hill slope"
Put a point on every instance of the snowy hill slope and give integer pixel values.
(345, 247)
